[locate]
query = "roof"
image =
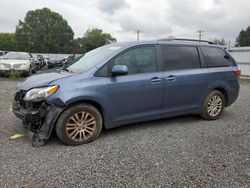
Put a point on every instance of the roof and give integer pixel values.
(169, 41)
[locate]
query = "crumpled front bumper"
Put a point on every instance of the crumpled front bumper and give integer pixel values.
(41, 120)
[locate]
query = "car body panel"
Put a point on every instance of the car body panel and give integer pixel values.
(182, 87)
(40, 80)
(132, 98)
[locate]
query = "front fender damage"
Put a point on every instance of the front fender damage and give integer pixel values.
(39, 119)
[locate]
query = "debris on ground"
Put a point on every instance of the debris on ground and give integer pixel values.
(16, 136)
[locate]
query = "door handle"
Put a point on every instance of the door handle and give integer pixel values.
(156, 79)
(171, 78)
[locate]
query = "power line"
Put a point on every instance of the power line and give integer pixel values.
(200, 33)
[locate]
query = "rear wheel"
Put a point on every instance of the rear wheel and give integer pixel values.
(213, 105)
(80, 124)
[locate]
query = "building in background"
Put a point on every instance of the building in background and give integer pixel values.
(242, 57)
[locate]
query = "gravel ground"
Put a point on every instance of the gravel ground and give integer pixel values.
(178, 152)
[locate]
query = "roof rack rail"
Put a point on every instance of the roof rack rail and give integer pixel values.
(191, 40)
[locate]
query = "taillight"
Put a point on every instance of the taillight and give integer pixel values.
(237, 72)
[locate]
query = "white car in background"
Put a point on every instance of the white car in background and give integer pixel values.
(19, 61)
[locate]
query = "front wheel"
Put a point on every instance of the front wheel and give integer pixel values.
(29, 72)
(34, 70)
(79, 124)
(213, 105)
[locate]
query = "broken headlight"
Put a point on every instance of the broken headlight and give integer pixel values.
(38, 94)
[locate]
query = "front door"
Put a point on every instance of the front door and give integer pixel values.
(138, 95)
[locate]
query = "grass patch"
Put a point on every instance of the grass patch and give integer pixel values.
(14, 74)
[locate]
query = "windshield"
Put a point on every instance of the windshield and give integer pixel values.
(16, 55)
(92, 58)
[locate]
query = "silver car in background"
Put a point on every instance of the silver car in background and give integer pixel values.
(19, 61)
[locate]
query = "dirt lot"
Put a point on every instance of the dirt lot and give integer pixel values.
(178, 152)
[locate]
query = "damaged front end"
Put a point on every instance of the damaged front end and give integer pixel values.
(38, 117)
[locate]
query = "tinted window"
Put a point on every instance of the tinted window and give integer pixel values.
(138, 60)
(215, 57)
(180, 57)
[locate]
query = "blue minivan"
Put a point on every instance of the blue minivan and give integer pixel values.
(124, 83)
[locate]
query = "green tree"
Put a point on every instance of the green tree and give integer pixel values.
(244, 37)
(44, 31)
(78, 46)
(220, 41)
(7, 41)
(95, 38)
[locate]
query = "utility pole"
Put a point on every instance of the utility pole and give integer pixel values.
(200, 33)
(229, 45)
(138, 35)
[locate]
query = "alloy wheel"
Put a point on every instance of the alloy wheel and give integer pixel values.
(81, 126)
(214, 105)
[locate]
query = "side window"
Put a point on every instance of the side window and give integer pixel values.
(138, 60)
(180, 57)
(103, 71)
(215, 57)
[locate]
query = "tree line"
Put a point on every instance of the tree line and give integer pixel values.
(45, 31)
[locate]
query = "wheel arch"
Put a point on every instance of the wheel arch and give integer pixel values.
(95, 103)
(224, 92)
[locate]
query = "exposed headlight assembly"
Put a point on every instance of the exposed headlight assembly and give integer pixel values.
(38, 94)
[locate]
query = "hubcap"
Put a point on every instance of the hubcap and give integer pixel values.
(81, 126)
(214, 105)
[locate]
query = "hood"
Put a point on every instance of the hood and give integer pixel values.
(40, 80)
(13, 61)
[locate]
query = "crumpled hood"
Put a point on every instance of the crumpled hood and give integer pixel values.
(40, 80)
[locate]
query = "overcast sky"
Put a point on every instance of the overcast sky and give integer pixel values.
(154, 18)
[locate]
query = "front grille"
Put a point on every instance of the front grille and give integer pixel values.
(7, 66)
(16, 66)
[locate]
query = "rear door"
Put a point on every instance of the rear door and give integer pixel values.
(185, 79)
(138, 95)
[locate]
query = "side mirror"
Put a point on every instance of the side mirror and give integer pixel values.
(119, 70)
(31, 58)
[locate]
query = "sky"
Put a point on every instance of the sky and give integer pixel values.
(154, 19)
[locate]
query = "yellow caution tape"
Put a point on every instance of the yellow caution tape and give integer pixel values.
(16, 136)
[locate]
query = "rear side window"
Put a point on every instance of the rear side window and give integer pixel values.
(180, 57)
(215, 57)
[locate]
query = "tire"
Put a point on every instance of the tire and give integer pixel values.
(34, 70)
(28, 73)
(79, 124)
(213, 105)
(38, 67)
